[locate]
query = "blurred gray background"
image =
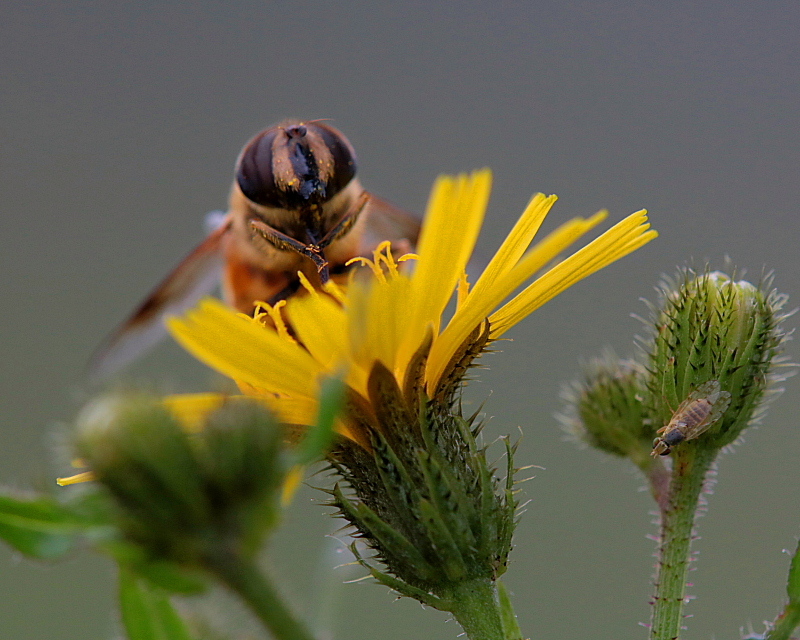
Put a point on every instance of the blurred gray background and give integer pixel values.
(119, 126)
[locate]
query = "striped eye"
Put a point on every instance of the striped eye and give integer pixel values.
(295, 165)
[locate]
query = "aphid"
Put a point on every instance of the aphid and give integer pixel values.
(704, 406)
(295, 205)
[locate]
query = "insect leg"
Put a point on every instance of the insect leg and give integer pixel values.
(284, 242)
(346, 223)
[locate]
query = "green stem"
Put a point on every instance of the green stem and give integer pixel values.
(690, 466)
(478, 609)
(244, 578)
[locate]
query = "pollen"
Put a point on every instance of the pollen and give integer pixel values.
(306, 284)
(383, 256)
(264, 310)
(334, 291)
(382, 263)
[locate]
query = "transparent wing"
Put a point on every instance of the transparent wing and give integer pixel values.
(384, 221)
(198, 274)
(721, 404)
(708, 390)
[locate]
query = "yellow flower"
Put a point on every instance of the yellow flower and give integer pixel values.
(396, 317)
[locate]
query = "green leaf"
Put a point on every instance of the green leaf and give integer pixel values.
(508, 618)
(147, 613)
(39, 527)
(319, 437)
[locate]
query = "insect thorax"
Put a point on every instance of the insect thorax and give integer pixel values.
(674, 436)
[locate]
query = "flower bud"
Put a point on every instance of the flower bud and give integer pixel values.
(176, 493)
(606, 409)
(713, 332)
(424, 497)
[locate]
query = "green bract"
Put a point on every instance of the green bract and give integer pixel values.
(424, 497)
(605, 409)
(712, 327)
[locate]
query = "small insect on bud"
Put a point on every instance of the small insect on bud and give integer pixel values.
(704, 406)
(712, 356)
(605, 409)
(176, 493)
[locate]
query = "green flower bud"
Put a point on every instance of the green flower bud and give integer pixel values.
(178, 494)
(424, 496)
(605, 410)
(712, 357)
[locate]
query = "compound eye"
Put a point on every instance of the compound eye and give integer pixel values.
(342, 157)
(254, 171)
(295, 165)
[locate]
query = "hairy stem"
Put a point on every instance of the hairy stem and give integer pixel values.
(481, 612)
(690, 466)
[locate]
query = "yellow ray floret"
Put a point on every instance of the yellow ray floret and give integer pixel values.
(245, 350)
(387, 316)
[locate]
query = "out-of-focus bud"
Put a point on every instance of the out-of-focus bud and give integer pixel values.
(713, 333)
(605, 410)
(182, 495)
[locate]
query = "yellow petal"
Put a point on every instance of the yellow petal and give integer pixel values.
(292, 483)
(295, 410)
(321, 326)
(379, 324)
(290, 410)
(503, 282)
(549, 247)
(86, 476)
(517, 241)
(192, 409)
(623, 238)
(242, 349)
(453, 221)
